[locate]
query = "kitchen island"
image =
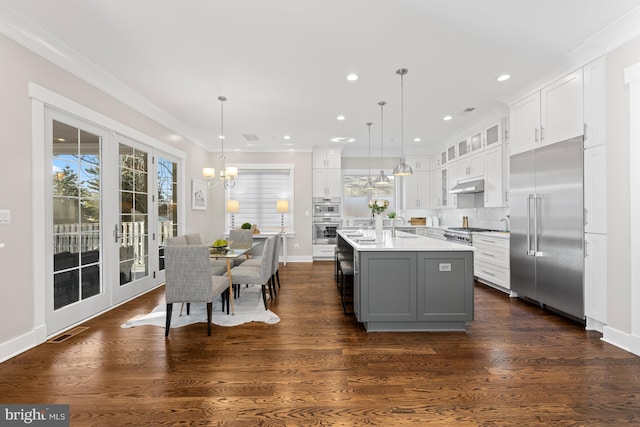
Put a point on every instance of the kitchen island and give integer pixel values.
(409, 282)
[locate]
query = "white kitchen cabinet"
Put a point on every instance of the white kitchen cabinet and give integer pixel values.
(494, 193)
(595, 280)
(326, 160)
(492, 135)
(451, 174)
(452, 153)
(463, 147)
(416, 190)
(491, 260)
(562, 109)
(418, 161)
(524, 118)
(594, 103)
(327, 183)
(470, 167)
(436, 188)
(475, 142)
(551, 115)
(327, 175)
(595, 189)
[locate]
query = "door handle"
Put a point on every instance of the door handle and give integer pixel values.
(536, 242)
(529, 251)
(116, 232)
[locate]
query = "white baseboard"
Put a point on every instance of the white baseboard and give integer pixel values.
(18, 345)
(623, 340)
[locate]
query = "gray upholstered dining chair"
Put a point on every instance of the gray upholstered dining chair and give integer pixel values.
(256, 275)
(240, 238)
(254, 262)
(189, 279)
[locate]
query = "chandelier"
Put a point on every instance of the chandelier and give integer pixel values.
(227, 173)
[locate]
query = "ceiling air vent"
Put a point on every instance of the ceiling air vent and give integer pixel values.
(251, 137)
(468, 110)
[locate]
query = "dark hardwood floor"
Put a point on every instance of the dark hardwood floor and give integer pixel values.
(516, 365)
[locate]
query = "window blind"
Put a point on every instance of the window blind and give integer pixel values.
(258, 190)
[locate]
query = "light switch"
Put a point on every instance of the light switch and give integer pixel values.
(5, 217)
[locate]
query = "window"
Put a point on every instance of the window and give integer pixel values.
(356, 198)
(257, 189)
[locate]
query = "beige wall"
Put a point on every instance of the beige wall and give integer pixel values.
(619, 262)
(19, 67)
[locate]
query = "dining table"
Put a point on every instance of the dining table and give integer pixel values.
(229, 254)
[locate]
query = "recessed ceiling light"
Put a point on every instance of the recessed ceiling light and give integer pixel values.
(352, 77)
(503, 77)
(341, 117)
(417, 139)
(447, 118)
(287, 137)
(343, 139)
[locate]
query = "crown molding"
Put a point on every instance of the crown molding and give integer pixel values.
(32, 37)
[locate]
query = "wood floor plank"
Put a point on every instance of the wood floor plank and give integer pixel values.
(516, 365)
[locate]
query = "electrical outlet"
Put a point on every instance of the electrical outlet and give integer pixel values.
(5, 217)
(296, 245)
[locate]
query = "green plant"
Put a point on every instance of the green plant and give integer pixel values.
(392, 215)
(246, 226)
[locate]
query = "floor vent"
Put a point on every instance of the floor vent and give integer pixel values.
(65, 336)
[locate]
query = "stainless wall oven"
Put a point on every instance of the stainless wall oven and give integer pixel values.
(325, 230)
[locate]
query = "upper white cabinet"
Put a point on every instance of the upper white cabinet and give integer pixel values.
(470, 167)
(418, 161)
(463, 147)
(594, 103)
(326, 159)
(436, 188)
(327, 175)
(492, 135)
(553, 114)
(417, 189)
(524, 121)
(562, 109)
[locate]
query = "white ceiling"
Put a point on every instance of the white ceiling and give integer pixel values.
(282, 64)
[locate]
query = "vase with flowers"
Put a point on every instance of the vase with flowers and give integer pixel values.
(378, 206)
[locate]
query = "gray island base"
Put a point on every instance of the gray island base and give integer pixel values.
(410, 283)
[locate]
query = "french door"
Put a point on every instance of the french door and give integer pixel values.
(110, 208)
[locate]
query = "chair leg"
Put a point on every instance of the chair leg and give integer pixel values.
(278, 277)
(188, 308)
(264, 296)
(168, 324)
(209, 310)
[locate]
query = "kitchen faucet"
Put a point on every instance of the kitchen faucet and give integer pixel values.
(393, 225)
(506, 222)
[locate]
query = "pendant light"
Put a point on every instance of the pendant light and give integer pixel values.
(369, 185)
(403, 169)
(382, 179)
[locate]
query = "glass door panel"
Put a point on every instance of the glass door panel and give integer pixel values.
(134, 214)
(76, 215)
(167, 204)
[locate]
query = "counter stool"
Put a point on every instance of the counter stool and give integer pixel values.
(346, 268)
(341, 254)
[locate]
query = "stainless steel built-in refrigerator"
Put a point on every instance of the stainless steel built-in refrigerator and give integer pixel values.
(547, 226)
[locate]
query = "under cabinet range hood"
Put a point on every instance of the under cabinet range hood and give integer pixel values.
(475, 186)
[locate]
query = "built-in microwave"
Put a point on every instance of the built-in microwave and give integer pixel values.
(326, 207)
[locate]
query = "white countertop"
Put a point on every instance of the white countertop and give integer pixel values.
(402, 242)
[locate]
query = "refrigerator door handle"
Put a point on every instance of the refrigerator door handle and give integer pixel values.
(529, 251)
(536, 243)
